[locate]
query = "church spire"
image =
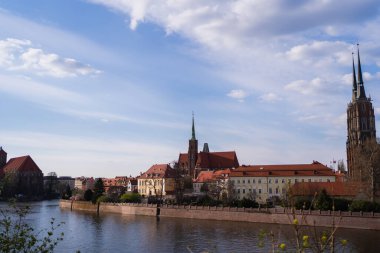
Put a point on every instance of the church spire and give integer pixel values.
(193, 130)
(354, 83)
(360, 90)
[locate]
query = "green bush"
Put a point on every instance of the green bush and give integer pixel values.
(88, 194)
(130, 197)
(103, 198)
(364, 206)
(341, 204)
(302, 203)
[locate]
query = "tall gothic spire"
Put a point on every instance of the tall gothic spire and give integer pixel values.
(193, 130)
(360, 90)
(354, 83)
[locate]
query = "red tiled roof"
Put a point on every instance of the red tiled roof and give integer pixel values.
(21, 164)
(313, 169)
(332, 188)
(159, 171)
(209, 176)
(204, 176)
(212, 160)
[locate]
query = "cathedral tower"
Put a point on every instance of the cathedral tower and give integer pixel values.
(192, 152)
(360, 121)
(3, 157)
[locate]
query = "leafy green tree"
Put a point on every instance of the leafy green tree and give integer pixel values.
(67, 193)
(98, 190)
(18, 236)
(88, 195)
(323, 201)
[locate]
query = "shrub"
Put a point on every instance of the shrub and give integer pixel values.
(364, 206)
(88, 194)
(130, 197)
(341, 204)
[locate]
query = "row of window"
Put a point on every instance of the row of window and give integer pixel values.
(259, 191)
(259, 181)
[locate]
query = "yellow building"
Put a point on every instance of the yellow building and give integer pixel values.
(260, 182)
(159, 180)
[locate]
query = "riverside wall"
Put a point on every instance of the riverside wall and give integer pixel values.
(356, 220)
(119, 208)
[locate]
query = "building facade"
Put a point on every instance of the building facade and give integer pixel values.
(21, 177)
(193, 162)
(262, 182)
(159, 180)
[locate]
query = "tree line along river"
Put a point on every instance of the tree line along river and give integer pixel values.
(88, 232)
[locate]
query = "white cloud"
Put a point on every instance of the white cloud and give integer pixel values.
(19, 55)
(240, 95)
(321, 53)
(306, 87)
(270, 97)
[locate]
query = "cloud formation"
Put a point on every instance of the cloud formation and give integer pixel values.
(240, 95)
(20, 55)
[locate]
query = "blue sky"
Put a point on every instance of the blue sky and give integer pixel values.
(107, 87)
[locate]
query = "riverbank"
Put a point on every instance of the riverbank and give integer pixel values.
(356, 220)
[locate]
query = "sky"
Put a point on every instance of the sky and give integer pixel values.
(107, 88)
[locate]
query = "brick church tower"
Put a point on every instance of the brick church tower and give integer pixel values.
(3, 157)
(192, 152)
(360, 121)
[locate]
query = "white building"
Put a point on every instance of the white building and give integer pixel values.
(261, 182)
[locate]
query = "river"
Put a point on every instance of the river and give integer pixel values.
(116, 233)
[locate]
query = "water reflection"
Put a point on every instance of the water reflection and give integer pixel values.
(116, 233)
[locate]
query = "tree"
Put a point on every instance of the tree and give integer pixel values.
(18, 236)
(88, 195)
(323, 201)
(67, 193)
(341, 166)
(367, 162)
(98, 189)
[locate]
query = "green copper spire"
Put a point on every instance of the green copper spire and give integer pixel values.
(193, 130)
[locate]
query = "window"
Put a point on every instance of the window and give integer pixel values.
(309, 180)
(259, 191)
(283, 190)
(276, 181)
(233, 181)
(276, 190)
(295, 180)
(270, 190)
(328, 180)
(238, 191)
(243, 181)
(303, 180)
(238, 181)
(253, 181)
(249, 181)
(283, 181)
(270, 181)
(254, 191)
(259, 181)
(320, 180)
(250, 190)
(243, 190)
(289, 181)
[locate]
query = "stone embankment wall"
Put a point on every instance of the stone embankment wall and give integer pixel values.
(358, 220)
(120, 208)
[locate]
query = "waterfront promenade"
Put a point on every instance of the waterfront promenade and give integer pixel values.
(356, 220)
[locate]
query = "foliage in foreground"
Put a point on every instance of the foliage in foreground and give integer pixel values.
(18, 236)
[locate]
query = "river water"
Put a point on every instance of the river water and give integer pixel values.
(117, 233)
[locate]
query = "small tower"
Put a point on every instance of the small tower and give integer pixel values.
(360, 121)
(3, 157)
(193, 151)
